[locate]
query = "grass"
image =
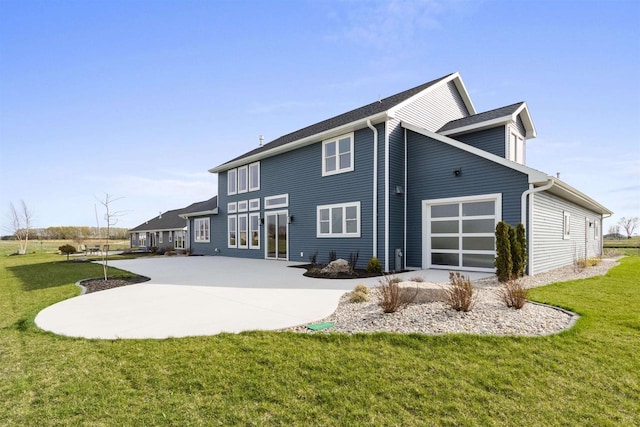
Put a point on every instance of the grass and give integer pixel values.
(589, 375)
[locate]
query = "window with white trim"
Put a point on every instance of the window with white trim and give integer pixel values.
(180, 239)
(232, 181)
(566, 225)
(201, 230)
(254, 231)
(340, 220)
(232, 223)
(243, 235)
(243, 206)
(596, 229)
(160, 237)
(254, 204)
(279, 201)
(516, 148)
(254, 176)
(232, 207)
(337, 155)
(243, 179)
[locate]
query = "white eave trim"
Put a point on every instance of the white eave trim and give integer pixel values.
(157, 230)
(522, 111)
(457, 80)
(535, 176)
(201, 213)
(318, 137)
(566, 191)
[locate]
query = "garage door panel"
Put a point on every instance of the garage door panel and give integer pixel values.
(478, 243)
(478, 208)
(478, 226)
(478, 260)
(440, 227)
(445, 243)
(438, 258)
(444, 211)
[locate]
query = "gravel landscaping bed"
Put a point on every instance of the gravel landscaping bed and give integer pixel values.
(95, 285)
(490, 316)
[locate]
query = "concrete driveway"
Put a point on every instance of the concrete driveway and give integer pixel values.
(191, 296)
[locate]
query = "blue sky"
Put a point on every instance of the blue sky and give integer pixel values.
(139, 99)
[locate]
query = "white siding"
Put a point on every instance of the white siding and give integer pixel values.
(435, 108)
(549, 249)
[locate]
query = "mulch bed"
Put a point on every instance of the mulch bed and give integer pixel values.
(358, 273)
(95, 285)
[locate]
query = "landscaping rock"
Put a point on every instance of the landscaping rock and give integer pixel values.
(336, 267)
(424, 292)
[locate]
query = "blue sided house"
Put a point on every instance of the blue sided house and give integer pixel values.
(419, 180)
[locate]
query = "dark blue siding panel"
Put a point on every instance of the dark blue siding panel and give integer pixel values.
(491, 140)
(396, 201)
(299, 174)
(205, 248)
(430, 167)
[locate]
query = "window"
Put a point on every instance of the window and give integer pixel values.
(341, 220)
(254, 176)
(254, 204)
(170, 236)
(243, 206)
(272, 202)
(516, 149)
(231, 229)
(232, 207)
(337, 155)
(566, 225)
(160, 236)
(201, 229)
(232, 181)
(179, 240)
(243, 236)
(242, 179)
(142, 239)
(596, 229)
(254, 231)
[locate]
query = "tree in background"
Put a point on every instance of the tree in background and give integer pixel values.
(20, 222)
(111, 219)
(629, 224)
(67, 250)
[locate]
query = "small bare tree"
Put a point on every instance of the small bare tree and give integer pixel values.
(20, 221)
(629, 224)
(110, 219)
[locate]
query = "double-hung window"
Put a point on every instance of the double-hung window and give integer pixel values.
(232, 229)
(254, 231)
(243, 180)
(337, 155)
(201, 230)
(340, 220)
(243, 237)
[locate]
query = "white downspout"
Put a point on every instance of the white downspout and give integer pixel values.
(386, 196)
(375, 188)
(523, 217)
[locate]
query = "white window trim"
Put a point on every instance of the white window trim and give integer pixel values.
(160, 237)
(251, 230)
(242, 218)
(235, 222)
(279, 205)
(244, 169)
(254, 204)
(197, 237)
(232, 207)
(338, 170)
(243, 206)
(233, 172)
(344, 220)
(566, 225)
(254, 188)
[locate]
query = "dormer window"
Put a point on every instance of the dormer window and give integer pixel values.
(337, 155)
(516, 148)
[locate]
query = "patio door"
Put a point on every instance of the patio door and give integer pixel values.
(276, 235)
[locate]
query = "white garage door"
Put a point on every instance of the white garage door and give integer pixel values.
(459, 233)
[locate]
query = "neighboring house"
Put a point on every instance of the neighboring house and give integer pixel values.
(169, 229)
(419, 180)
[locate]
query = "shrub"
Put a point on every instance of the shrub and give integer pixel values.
(357, 296)
(161, 251)
(503, 262)
(391, 296)
(353, 260)
(67, 250)
(313, 258)
(374, 266)
(514, 294)
(520, 261)
(332, 256)
(362, 288)
(417, 279)
(460, 295)
(170, 253)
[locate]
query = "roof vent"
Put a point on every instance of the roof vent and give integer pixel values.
(160, 215)
(558, 175)
(261, 140)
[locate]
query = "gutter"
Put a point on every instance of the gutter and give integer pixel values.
(375, 188)
(523, 218)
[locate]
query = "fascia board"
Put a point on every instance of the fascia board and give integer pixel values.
(535, 176)
(349, 127)
(577, 197)
(526, 120)
(201, 213)
(477, 126)
(155, 230)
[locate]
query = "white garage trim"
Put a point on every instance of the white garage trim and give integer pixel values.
(458, 233)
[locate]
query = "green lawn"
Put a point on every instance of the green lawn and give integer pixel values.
(589, 375)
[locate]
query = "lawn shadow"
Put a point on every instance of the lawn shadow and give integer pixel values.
(53, 274)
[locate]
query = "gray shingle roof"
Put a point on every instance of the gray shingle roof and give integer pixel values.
(481, 117)
(342, 119)
(171, 220)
